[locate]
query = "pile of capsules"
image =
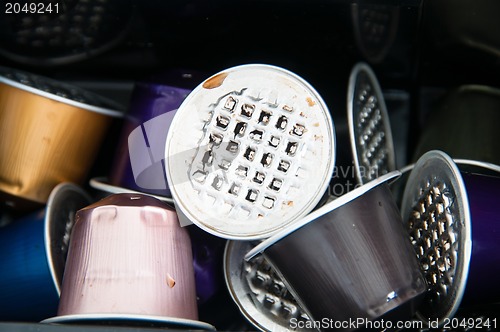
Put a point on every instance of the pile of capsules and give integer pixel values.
(222, 185)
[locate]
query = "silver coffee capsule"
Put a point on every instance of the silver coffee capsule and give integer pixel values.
(369, 126)
(449, 209)
(250, 151)
(436, 213)
(259, 291)
(350, 259)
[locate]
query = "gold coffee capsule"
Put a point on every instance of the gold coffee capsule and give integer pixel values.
(50, 133)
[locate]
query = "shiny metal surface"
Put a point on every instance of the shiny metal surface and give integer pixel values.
(464, 165)
(361, 265)
(127, 320)
(369, 126)
(102, 184)
(259, 146)
(436, 213)
(128, 255)
(46, 138)
(258, 290)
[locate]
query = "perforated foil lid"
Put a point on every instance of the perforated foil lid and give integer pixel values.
(259, 292)
(249, 151)
(369, 126)
(435, 209)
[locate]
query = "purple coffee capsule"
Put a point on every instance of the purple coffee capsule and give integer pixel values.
(139, 161)
(208, 251)
(454, 226)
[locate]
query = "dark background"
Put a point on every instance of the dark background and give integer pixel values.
(419, 50)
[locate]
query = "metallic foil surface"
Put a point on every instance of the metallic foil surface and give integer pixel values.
(350, 258)
(449, 209)
(256, 153)
(44, 141)
(129, 255)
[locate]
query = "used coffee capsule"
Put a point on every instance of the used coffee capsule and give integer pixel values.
(207, 248)
(453, 225)
(139, 163)
(51, 133)
(369, 126)
(129, 260)
(33, 253)
(259, 292)
(250, 151)
(362, 264)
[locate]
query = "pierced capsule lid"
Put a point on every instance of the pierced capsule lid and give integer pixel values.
(369, 126)
(249, 151)
(258, 290)
(435, 209)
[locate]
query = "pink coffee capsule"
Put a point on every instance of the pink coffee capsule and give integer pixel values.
(129, 258)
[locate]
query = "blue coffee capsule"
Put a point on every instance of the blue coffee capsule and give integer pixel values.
(33, 254)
